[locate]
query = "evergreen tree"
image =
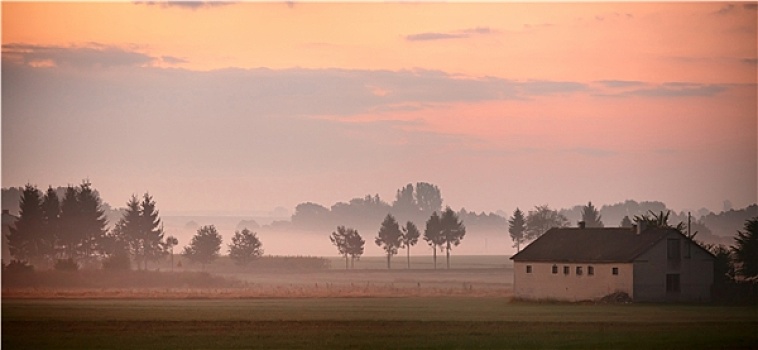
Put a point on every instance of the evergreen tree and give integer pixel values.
(390, 238)
(128, 230)
(245, 247)
(452, 231)
(204, 246)
(516, 227)
(591, 216)
(51, 211)
(433, 235)
(410, 238)
(151, 231)
(69, 221)
(746, 249)
(25, 237)
(92, 222)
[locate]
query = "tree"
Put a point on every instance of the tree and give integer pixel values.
(349, 243)
(658, 220)
(746, 249)
(390, 238)
(428, 197)
(25, 237)
(245, 247)
(541, 219)
(151, 231)
(591, 216)
(204, 246)
(625, 222)
(51, 211)
(452, 231)
(128, 229)
(433, 235)
(516, 227)
(171, 242)
(410, 238)
(92, 223)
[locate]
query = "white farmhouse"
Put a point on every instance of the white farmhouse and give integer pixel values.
(575, 264)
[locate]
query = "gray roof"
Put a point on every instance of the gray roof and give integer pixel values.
(613, 244)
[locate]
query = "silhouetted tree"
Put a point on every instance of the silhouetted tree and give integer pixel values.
(428, 197)
(723, 267)
(746, 249)
(25, 238)
(245, 247)
(92, 223)
(128, 229)
(658, 220)
(349, 243)
(51, 211)
(452, 231)
(410, 238)
(625, 222)
(433, 235)
(516, 227)
(204, 246)
(541, 219)
(151, 231)
(405, 201)
(591, 216)
(171, 242)
(390, 238)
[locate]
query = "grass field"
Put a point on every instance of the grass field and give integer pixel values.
(355, 323)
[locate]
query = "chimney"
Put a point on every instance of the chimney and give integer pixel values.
(582, 224)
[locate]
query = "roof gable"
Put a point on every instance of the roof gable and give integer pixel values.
(613, 244)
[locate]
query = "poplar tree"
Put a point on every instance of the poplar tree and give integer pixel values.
(452, 231)
(433, 235)
(516, 228)
(410, 238)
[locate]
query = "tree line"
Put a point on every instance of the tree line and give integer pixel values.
(442, 232)
(72, 231)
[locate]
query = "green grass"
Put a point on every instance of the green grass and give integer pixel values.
(355, 323)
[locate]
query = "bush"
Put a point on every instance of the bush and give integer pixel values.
(118, 262)
(18, 266)
(66, 265)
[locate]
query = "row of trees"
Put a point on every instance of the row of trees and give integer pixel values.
(442, 232)
(74, 229)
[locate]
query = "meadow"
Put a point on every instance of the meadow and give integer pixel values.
(362, 323)
(466, 307)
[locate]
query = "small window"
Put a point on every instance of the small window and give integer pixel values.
(672, 283)
(615, 270)
(528, 268)
(566, 270)
(590, 270)
(555, 269)
(673, 249)
(578, 270)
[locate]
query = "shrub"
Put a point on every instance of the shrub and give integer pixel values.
(18, 266)
(118, 262)
(66, 265)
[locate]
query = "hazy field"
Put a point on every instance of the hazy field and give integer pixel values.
(354, 323)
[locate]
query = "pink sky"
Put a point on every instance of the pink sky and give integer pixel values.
(246, 107)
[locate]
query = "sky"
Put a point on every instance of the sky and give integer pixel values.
(245, 107)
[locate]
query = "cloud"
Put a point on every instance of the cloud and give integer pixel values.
(620, 83)
(594, 152)
(458, 34)
(92, 55)
(752, 61)
(679, 89)
(434, 36)
(189, 5)
(173, 60)
(750, 6)
(725, 9)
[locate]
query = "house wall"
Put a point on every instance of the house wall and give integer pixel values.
(695, 272)
(542, 283)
